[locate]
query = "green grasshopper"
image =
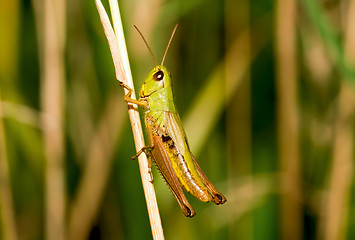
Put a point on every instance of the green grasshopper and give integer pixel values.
(168, 143)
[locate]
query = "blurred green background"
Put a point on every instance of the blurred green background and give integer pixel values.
(264, 89)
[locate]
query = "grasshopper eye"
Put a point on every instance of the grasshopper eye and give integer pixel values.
(158, 76)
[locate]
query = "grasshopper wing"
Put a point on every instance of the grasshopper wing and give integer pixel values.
(161, 158)
(205, 190)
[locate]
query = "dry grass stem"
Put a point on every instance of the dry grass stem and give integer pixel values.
(337, 203)
(288, 120)
(123, 73)
(52, 102)
(337, 199)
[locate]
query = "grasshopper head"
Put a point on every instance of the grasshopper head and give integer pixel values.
(157, 80)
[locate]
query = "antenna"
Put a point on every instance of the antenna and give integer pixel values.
(150, 50)
(171, 38)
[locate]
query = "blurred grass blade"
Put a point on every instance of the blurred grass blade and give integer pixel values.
(9, 31)
(91, 189)
(9, 40)
(336, 207)
(238, 114)
(288, 129)
(52, 35)
(329, 37)
(211, 108)
(248, 192)
(7, 214)
(337, 203)
(21, 113)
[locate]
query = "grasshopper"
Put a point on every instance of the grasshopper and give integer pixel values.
(169, 147)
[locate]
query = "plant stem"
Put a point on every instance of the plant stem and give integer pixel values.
(52, 103)
(123, 73)
(288, 120)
